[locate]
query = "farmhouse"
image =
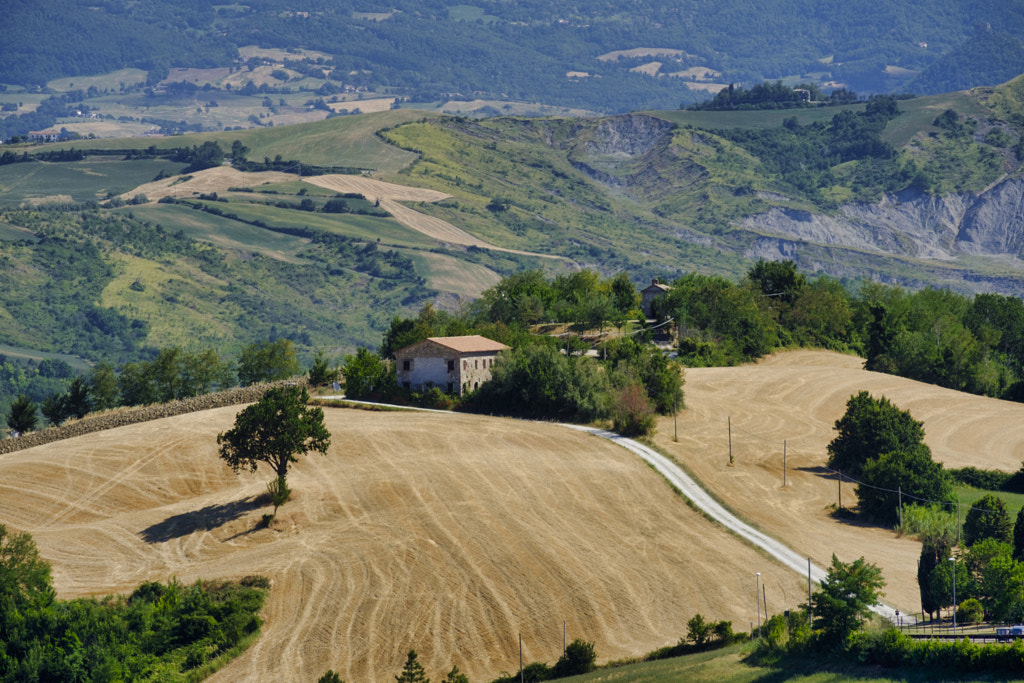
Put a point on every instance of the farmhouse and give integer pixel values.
(50, 135)
(453, 364)
(649, 294)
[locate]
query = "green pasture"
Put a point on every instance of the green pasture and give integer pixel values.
(90, 179)
(450, 274)
(348, 141)
(916, 115)
(728, 665)
(183, 306)
(112, 81)
(224, 233)
(470, 13)
(368, 228)
(11, 233)
(28, 101)
(968, 496)
(24, 354)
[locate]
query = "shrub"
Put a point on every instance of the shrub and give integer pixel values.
(633, 414)
(970, 611)
(579, 658)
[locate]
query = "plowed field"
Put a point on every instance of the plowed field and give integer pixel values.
(453, 534)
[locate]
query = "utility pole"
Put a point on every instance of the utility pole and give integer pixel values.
(730, 444)
(675, 420)
(810, 609)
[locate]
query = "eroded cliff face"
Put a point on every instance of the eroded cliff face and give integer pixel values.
(914, 224)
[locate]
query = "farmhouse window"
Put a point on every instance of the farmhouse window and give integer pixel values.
(451, 387)
(451, 368)
(407, 365)
(476, 364)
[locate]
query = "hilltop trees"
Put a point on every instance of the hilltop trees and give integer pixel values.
(275, 430)
(22, 415)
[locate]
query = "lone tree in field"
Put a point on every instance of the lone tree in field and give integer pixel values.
(275, 430)
(413, 671)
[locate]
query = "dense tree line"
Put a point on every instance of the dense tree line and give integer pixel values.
(775, 95)
(173, 373)
(159, 631)
(546, 376)
(806, 157)
(968, 343)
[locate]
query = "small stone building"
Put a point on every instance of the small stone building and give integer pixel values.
(649, 294)
(455, 365)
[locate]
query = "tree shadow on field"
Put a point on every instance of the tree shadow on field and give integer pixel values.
(205, 519)
(848, 513)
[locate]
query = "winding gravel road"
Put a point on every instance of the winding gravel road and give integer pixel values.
(689, 488)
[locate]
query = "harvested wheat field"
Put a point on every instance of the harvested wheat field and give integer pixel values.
(448, 533)
(391, 195)
(217, 179)
(796, 397)
(452, 534)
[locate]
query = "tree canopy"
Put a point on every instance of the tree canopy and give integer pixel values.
(908, 472)
(267, 362)
(988, 518)
(275, 430)
(869, 428)
(846, 597)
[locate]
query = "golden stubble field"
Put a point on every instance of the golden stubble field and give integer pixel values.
(453, 534)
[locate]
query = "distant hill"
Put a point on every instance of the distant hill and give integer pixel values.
(916, 192)
(612, 58)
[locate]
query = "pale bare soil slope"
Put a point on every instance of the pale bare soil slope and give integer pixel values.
(796, 397)
(217, 179)
(448, 533)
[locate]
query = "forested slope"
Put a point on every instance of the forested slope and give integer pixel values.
(624, 56)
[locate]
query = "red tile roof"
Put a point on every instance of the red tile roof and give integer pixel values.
(469, 344)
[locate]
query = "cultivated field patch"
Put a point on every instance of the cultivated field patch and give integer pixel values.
(649, 69)
(790, 402)
(209, 180)
(448, 533)
(637, 52)
(454, 533)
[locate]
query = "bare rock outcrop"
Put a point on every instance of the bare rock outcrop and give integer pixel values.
(912, 223)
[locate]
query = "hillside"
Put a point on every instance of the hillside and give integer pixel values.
(409, 534)
(488, 55)
(246, 255)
